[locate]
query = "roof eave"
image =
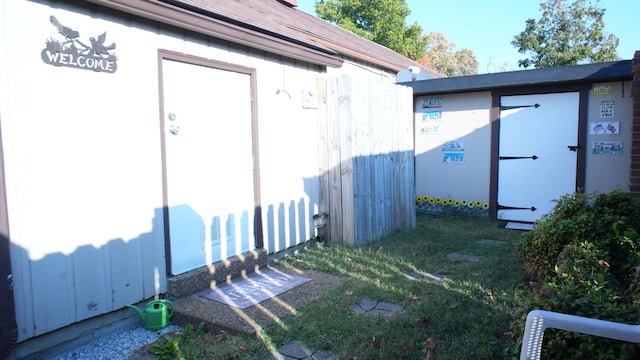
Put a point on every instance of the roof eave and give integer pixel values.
(172, 15)
(590, 73)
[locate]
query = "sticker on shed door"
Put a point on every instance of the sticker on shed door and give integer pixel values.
(538, 157)
(209, 163)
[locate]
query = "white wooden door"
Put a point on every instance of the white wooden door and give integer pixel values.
(209, 163)
(538, 158)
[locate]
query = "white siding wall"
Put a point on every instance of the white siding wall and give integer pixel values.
(82, 172)
(287, 101)
(466, 118)
(83, 160)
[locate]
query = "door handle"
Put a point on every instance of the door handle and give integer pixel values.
(574, 147)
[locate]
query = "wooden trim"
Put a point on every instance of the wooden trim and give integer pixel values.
(494, 114)
(581, 166)
(190, 59)
(163, 151)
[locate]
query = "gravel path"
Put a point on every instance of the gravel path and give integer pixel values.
(117, 346)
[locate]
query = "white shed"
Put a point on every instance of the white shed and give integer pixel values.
(508, 144)
(143, 140)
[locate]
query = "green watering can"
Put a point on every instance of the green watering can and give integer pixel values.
(156, 315)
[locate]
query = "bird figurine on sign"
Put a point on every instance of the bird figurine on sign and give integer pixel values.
(65, 31)
(98, 47)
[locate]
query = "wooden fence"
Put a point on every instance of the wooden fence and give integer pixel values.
(367, 159)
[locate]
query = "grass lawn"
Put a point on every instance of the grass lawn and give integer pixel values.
(466, 316)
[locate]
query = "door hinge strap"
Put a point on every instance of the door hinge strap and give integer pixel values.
(502, 207)
(510, 107)
(517, 157)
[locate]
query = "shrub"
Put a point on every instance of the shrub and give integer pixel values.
(584, 259)
(610, 222)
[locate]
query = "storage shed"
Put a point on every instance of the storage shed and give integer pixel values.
(508, 144)
(144, 141)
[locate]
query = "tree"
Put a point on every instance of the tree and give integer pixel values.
(381, 21)
(566, 34)
(442, 57)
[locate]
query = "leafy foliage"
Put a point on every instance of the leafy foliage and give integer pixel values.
(566, 34)
(181, 345)
(584, 259)
(442, 56)
(197, 343)
(381, 21)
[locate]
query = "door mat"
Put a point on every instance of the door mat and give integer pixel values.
(519, 226)
(254, 289)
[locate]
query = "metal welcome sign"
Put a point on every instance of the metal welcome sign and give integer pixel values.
(71, 52)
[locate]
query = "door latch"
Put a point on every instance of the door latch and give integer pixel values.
(574, 147)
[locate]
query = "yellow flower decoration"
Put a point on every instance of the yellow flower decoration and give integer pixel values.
(463, 202)
(456, 203)
(478, 203)
(485, 205)
(418, 198)
(432, 200)
(438, 200)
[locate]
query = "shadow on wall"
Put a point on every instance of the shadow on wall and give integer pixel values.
(61, 289)
(287, 226)
(197, 240)
(368, 197)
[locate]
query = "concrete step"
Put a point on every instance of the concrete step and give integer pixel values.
(194, 309)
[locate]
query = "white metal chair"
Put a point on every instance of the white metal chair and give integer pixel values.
(539, 320)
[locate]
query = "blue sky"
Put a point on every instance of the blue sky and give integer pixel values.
(487, 27)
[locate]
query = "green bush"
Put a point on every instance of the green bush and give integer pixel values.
(610, 222)
(584, 259)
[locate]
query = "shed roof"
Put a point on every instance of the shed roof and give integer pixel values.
(272, 25)
(599, 72)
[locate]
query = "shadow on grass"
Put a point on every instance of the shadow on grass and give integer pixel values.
(467, 315)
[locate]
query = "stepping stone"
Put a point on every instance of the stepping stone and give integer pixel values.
(356, 308)
(373, 308)
(388, 307)
(295, 351)
(491, 242)
(322, 356)
(456, 256)
(418, 276)
(367, 304)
